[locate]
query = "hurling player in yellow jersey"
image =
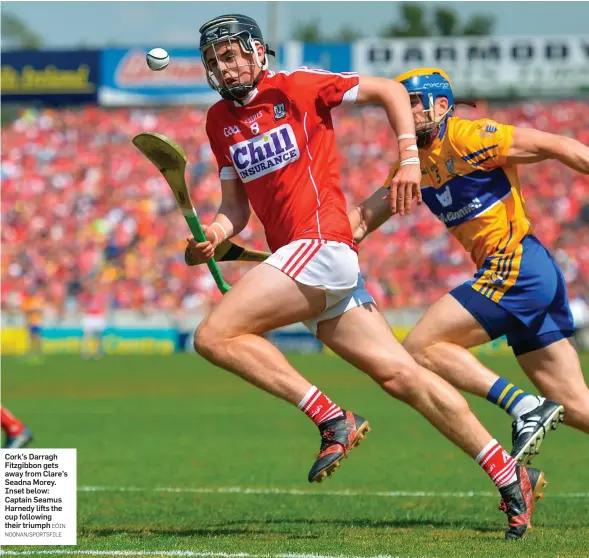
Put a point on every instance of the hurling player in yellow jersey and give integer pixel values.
(32, 308)
(470, 182)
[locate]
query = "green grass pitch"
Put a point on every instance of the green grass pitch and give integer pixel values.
(175, 456)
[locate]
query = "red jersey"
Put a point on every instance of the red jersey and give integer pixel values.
(95, 304)
(281, 145)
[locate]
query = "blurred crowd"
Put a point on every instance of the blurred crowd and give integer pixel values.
(83, 209)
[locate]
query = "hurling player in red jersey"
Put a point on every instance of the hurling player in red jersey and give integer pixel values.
(273, 138)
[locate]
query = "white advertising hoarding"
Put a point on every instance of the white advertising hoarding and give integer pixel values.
(489, 66)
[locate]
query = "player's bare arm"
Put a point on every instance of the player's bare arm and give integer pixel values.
(232, 217)
(370, 214)
(394, 98)
(531, 146)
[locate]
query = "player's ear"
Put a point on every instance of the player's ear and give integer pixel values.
(441, 105)
(261, 52)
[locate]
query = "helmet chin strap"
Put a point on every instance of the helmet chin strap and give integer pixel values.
(236, 93)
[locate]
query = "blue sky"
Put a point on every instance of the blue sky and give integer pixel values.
(97, 24)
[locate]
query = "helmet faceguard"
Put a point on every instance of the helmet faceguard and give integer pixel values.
(425, 85)
(233, 30)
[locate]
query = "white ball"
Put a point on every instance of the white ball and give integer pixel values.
(157, 59)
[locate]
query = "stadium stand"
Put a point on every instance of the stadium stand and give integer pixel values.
(79, 202)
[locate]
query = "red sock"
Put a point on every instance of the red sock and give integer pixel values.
(318, 407)
(498, 464)
(10, 424)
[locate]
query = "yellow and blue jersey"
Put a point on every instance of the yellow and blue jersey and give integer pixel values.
(32, 307)
(469, 186)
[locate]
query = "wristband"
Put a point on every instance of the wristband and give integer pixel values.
(216, 237)
(410, 161)
(405, 136)
(410, 148)
(222, 228)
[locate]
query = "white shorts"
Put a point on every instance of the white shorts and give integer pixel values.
(328, 265)
(93, 324)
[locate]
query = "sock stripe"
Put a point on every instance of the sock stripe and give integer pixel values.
(519, 393)
(325, 412)
(308, 395)
(505, 475)
(490, 454)
(484, 451)
(504, 394)
(497, 390)
(318, 407)
(509, 467)
(332, 415)
(498, 464)
(508, 397)
(312, 400)
(508, 479)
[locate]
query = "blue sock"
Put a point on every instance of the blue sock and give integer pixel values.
(508, 396)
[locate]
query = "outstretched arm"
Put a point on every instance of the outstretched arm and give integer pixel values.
(370, 214)
(531, 146)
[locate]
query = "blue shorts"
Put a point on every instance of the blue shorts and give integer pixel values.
(521, 295)
(34, 330)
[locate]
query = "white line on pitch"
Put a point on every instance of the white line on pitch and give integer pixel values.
(187, 553)
(297, 492)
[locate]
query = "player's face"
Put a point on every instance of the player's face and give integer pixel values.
(423, 117)
(230, 65)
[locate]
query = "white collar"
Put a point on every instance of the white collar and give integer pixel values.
(248, 99)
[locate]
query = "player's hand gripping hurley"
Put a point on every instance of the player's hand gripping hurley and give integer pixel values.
(170, 160)
(228, 251)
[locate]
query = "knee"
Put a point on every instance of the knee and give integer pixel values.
(423, 351)
(207, 340)
(412, 383)
(400, 379)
